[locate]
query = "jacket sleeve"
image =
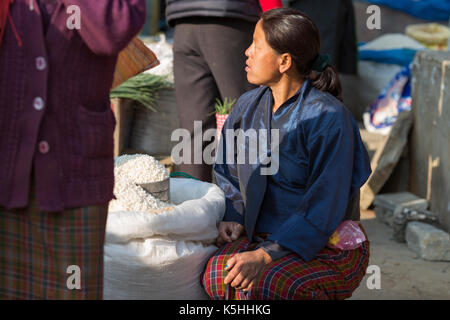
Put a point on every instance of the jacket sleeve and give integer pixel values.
(339, 166)
(107, 26)
(270, 4)
(274, 250)
(227, 178)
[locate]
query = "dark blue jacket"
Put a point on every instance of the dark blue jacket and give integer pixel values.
(322, 163)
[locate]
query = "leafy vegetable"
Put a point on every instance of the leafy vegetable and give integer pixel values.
(224, 107)
(142, 88)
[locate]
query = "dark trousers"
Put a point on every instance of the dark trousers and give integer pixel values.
(209, 63)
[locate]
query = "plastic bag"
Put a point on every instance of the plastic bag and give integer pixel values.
(164, 52)
(348, 236)
(395, 98)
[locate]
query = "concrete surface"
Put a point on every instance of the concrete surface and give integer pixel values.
(429, 242)
(430, 144)
(403, 274)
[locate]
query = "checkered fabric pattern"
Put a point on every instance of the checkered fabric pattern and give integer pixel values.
(36, 248)
(332, 274)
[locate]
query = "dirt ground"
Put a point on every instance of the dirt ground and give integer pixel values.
(403, 274)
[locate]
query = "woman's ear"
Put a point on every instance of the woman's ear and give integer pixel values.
(285, 63)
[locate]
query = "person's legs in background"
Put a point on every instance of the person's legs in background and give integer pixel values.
(209, 63)
(195, 90)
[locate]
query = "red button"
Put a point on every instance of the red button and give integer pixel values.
(44, 147)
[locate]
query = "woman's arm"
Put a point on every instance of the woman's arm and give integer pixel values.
(274, 250)
(339, 166)
(107, 26)
(226, 175)
(227, 179)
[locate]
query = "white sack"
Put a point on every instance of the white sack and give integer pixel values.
(163, 50)
(162, 256)
(392, 41)
(199, 206)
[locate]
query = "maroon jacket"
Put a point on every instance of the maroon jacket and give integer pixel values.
(55, 114)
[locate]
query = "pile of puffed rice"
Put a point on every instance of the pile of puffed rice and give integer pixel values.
(131, 170)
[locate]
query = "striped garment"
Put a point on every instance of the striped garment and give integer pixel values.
(37, 248)
(332, 274)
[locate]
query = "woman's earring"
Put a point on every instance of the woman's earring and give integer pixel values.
(31, 5)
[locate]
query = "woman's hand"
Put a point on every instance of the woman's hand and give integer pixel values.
(243, 268)
(228, 232)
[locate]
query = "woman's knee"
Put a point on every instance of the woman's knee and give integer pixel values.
(292, 282)
(214, 275)
(212, 278)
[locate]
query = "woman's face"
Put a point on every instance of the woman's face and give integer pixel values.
(263, 61)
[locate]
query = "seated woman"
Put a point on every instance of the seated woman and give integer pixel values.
(278, 236)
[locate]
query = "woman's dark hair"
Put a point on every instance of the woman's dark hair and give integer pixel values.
(291, 31)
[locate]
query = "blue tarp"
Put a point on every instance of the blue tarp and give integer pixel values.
(401, 57)
(433, 10)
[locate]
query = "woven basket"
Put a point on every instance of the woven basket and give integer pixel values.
(431, 35)
(134, 59)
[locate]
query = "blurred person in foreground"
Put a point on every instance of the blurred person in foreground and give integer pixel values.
(210, 38)
(280, 236)
(56, 147)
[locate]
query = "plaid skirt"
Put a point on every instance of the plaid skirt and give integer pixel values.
(48, 255)
(332, 274)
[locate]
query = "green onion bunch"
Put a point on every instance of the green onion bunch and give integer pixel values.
(142, 88)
